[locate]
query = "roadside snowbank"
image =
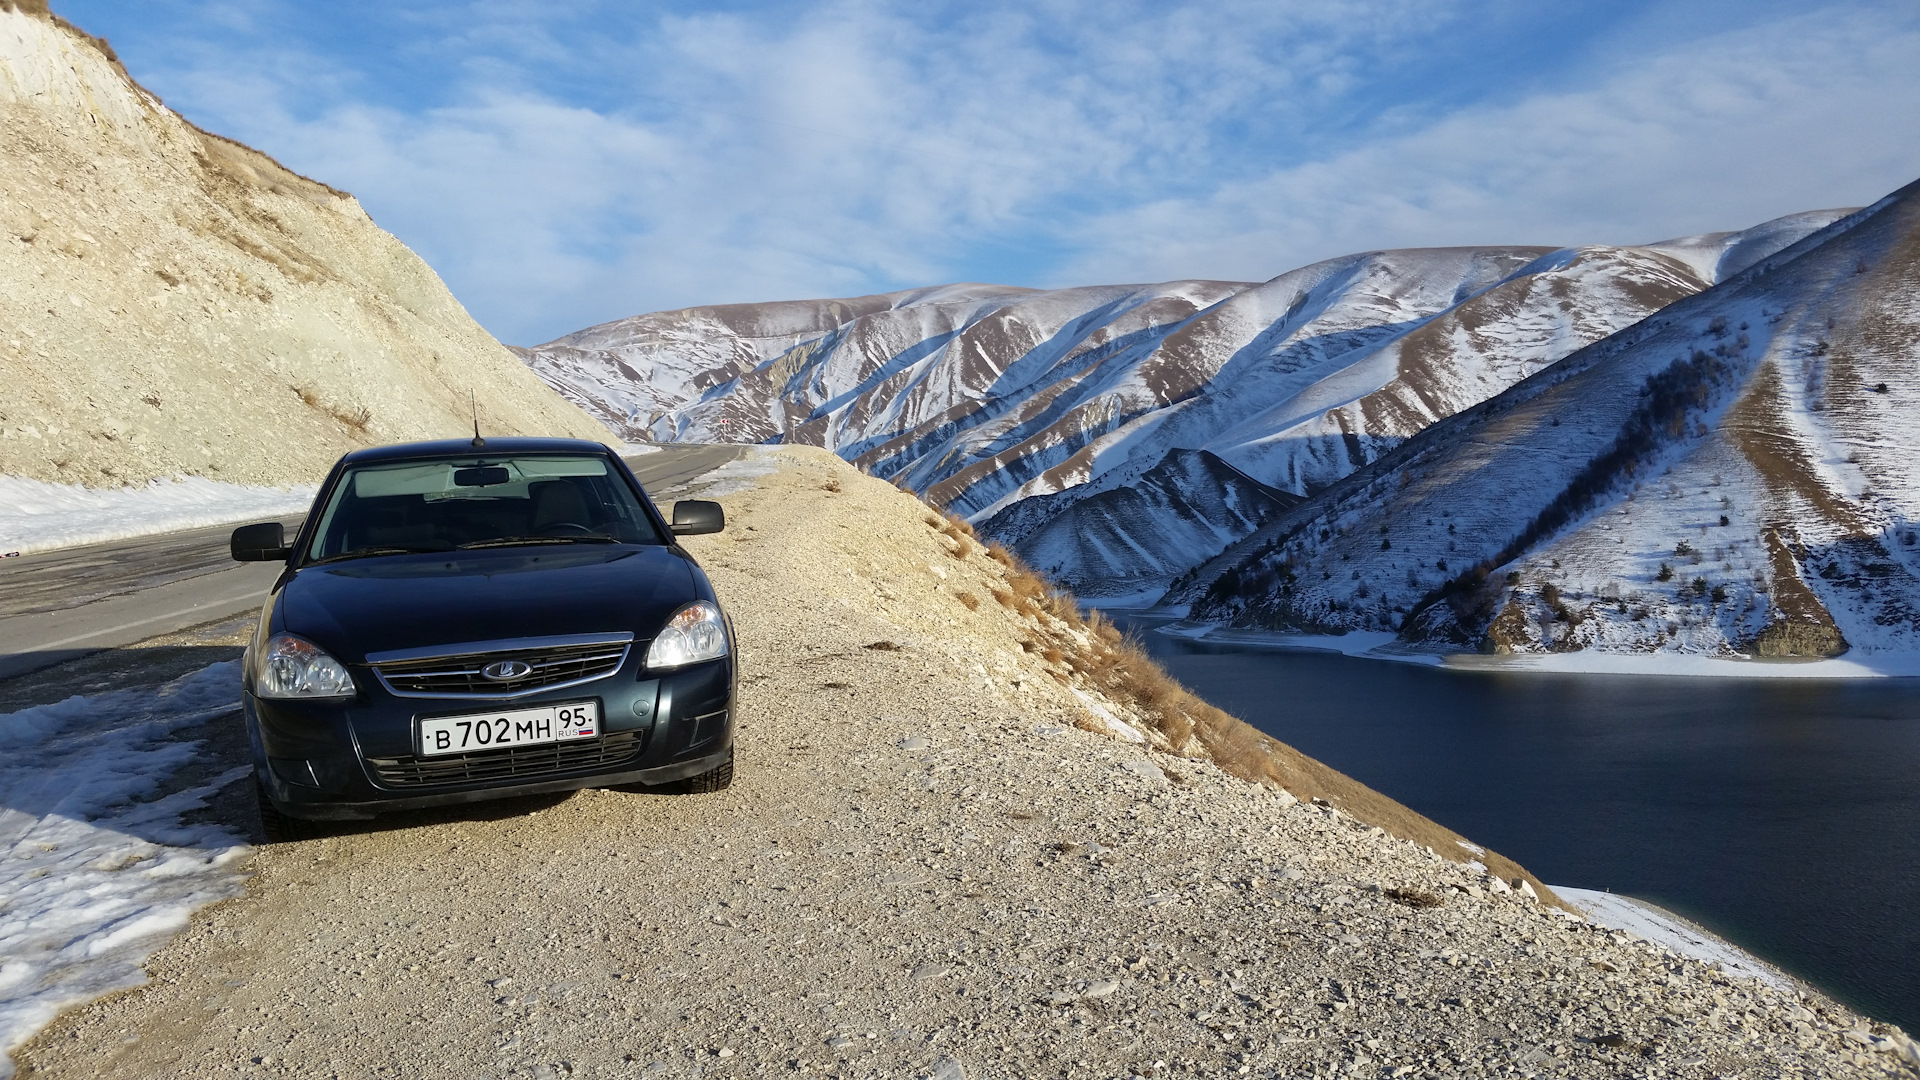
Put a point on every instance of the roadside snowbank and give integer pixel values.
(36, 515)
(97, 872)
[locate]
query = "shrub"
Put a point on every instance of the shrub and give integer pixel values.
(1724, 520)
(1719, 594)
(1682, 549)
(1699, 586)
(1665, 574)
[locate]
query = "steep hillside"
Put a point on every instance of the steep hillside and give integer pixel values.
(1119, 435)
(173, 302)
(1738, 474)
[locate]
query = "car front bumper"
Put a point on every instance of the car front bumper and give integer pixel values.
(354, 759)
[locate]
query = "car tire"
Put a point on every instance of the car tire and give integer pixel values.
(281, 828)
(718, 778)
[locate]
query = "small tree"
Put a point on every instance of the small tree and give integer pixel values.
(1665, 574)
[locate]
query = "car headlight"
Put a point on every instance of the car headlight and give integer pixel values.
(295, 668)
(695, 633)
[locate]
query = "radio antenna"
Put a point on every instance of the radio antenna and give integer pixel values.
(473, 403)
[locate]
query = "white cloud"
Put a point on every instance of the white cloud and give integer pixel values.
(843, 147)
(1723, 134)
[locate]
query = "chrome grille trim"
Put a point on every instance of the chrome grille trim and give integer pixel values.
(510, 762)
(453, 671)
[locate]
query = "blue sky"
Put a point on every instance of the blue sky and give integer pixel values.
(566, 162)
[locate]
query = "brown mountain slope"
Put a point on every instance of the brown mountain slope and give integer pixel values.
(174, 302)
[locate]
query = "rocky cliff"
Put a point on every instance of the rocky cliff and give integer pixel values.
(172, 302)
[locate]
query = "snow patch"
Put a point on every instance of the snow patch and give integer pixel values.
(97, 872)
(740, 474)
(36, 515)
(1662, 927)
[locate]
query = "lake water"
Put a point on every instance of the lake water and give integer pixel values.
(1782, 814)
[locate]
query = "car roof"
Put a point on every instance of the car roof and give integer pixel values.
(442, 448)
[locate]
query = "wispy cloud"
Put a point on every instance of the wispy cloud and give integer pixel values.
(566, 163)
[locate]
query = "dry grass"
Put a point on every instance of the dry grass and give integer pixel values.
(1120, 669)
(1414, 898)
(832, 485)
(354, 420)
(967, 599)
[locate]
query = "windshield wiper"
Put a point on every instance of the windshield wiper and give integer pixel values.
(514, 541)
(364, 553)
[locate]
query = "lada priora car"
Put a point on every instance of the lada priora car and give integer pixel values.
(468, 620)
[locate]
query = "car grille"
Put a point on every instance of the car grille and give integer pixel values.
(512, 762)
(459, 676)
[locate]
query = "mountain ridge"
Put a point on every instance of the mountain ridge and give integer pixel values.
(1013, 406)
(1729, 483)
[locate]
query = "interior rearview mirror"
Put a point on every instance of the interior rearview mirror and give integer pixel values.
(264, 542)
(692, 517)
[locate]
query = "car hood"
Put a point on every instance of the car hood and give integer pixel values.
(413, 601)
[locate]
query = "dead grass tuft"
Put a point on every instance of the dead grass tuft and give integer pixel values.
(884, 646)
(1414, 898)
(355, 420)
(971, 601)
(833, 485)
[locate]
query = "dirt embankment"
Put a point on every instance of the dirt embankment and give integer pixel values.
(175, 302)
(945, 855)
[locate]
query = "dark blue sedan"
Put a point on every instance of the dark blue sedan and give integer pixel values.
(470, 620)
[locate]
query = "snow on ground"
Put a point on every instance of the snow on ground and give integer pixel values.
(1381, 645)
(96, 871)
(1662, 927)
(35, 515)
(1372, 644)
(739, 474)
(1855, 665)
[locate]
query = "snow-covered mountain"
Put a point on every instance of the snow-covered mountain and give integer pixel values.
(1739, 473)
(1118, 436)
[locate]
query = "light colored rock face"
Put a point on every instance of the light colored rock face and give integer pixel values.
(1014, 407)
(171, 302)
(1738, 474)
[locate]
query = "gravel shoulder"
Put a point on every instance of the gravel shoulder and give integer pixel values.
(928, 865)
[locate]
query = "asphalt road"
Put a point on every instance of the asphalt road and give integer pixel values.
(57, 606)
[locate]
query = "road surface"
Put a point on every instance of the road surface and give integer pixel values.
(60, 605)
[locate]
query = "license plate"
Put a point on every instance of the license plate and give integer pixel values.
(518, 727)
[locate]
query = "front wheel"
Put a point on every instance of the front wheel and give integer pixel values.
(718, 778)
(281, 828)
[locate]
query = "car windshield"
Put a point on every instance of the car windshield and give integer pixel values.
(479, 501)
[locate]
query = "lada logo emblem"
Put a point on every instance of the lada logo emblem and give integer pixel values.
(506, 670)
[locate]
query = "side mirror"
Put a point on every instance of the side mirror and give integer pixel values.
(259, 543)
(692, 517)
